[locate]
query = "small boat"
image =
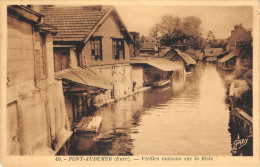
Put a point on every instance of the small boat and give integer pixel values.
(188, 73)
(161, 83)
(89, 124)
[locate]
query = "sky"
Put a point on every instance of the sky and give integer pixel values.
(219, 19)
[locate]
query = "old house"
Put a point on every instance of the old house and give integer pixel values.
(153, 71)
(228, 62)
(239, 50)
(179, 57)
(37, 122)
(194, 54)
(211, 54)
(92, 44)
(239, 36)
(149, 47)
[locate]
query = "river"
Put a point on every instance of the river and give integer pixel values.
(188, 117)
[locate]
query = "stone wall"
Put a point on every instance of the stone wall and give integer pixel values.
(120, 75)
(138, 76)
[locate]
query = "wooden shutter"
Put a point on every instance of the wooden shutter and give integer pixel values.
(37, 55)
(57, 63)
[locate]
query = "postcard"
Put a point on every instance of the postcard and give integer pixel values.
(129, 83)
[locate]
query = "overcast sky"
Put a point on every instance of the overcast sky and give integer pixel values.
(220, 20)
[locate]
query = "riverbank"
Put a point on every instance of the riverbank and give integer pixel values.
(240, 90)
(132, 124)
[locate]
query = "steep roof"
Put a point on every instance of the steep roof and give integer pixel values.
(227, 57)
(78, 23)
(73, 23)
(165, 51)
(188, 60)
(193, 54)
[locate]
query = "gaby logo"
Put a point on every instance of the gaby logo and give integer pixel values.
(239, 143)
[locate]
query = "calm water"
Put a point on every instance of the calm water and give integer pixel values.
(188, 117)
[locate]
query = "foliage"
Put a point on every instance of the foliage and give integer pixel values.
(191, 26)
(175, 31)
(210, 38)
(154, 31)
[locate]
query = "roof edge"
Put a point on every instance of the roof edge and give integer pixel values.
(123, 24)
(25, 14)
(113, 9)
(85, 40)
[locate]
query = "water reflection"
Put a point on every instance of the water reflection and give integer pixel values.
(189, 117)
(194, 121)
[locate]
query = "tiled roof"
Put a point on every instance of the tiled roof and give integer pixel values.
(193, 54)
(73, 23)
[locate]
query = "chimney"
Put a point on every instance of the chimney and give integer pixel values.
(236, 27)
(136, 39)
(232, 33)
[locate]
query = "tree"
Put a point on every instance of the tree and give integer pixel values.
(154, 31)
(191, 26)
(210, 40)
(170, 29)
(173, 31)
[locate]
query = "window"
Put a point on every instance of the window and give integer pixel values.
(96, 48)
(118, 51)
(61, 59)
(43, 61)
